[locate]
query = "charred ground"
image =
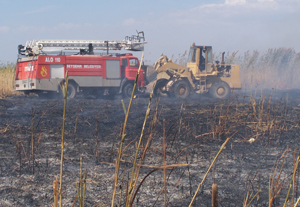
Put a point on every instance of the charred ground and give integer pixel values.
(194, 131)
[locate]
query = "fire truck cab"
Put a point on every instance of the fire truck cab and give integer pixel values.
(42, 72)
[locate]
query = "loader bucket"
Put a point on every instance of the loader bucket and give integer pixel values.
(150, 73)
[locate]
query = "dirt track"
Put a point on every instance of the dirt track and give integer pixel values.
(97, 140)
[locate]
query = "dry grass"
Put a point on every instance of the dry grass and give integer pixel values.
(6, 79)
(275, 68)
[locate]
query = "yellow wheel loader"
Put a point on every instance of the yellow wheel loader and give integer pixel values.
(200, 75)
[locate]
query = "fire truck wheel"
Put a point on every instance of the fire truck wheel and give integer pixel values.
(181, 89)
(127, 90)
(220, 90)
(71, 91)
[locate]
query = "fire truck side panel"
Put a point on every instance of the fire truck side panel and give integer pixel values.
(113, 69)
(87, 81)
(85, 66)
(111, 82)
(45, 73)
(26, 70)
(92, 75)
(48, 84)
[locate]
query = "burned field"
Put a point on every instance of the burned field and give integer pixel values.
(263, 132)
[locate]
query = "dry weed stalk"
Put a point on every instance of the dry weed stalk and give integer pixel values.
(214, 195)
(164, 161)
(250, 195)
(134, 173)
(275, 186)
(76, 121)
(32, 144)
(64, 89)
(223, 145)
(82, 185)
(158, 168)
(292, 183)
(55, 192)
(124, 135)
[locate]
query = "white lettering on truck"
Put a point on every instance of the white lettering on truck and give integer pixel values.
(84, 66)
(28, 68)
(49, 59)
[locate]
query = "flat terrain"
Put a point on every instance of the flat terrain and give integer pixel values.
(194, 131)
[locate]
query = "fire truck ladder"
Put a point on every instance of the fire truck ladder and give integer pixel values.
(36, 47)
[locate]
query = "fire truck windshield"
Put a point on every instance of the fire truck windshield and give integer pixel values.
(133, 62)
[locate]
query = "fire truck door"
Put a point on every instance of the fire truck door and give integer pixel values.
(133, 68)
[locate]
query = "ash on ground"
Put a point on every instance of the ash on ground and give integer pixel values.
(263, 132)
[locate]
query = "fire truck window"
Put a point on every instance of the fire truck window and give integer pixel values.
(124, 62)
(133, 63)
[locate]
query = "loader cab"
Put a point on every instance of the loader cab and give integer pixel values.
(199, 59)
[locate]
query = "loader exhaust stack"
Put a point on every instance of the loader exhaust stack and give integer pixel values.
(223, 62)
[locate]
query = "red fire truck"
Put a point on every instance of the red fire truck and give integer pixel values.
(42, 65)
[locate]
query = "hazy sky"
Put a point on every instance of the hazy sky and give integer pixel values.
(170, 26)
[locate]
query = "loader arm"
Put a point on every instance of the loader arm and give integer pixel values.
(171, 65)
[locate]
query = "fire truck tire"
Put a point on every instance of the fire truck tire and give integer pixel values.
(127, 90)
(180, 89)
(220, 90)
(158, 90)
(71, 91)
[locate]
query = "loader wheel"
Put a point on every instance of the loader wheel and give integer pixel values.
(181, 89)
(220, 90)
(158, 90)
(127, 90)
(71, 91)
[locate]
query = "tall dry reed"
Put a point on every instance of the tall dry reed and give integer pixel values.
(6, 79)
(274, 68)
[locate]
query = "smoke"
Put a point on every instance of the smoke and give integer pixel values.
(275, 68)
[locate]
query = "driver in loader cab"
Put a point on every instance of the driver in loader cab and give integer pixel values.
(202, 62)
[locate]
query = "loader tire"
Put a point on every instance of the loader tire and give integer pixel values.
(158, 90)
(181, 89)
(127, 90)
(220, 90)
